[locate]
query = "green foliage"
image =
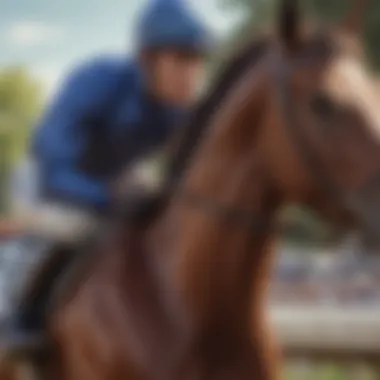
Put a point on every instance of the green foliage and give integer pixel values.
(20, 104)
(329, 371)
(303, 226)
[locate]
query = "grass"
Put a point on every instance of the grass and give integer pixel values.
(307, 371)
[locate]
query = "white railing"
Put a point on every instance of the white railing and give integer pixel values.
(328, 332)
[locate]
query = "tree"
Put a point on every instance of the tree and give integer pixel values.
(20, 104)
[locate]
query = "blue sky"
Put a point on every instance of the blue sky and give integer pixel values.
(50, 36)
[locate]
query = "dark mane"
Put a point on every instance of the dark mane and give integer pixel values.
(202, 113)
(149, 207)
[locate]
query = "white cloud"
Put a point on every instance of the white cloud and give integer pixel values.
(31, 33)
(50, 76)
(221, 21)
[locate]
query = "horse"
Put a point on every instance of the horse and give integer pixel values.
(182, 293)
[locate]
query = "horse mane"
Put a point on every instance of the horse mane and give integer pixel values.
(180, 155)
(202, 113)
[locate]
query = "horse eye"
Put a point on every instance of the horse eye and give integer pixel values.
(322, 106)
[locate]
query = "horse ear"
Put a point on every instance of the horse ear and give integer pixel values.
(289, 24)
(354, 20)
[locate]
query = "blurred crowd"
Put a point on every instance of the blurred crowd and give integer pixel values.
(341, 276)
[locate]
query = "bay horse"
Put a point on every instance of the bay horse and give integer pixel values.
(182, 294)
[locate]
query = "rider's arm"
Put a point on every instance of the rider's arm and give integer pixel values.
(60, 138)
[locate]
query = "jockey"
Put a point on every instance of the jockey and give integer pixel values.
(109, 112)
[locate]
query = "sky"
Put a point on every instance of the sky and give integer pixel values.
(51, 36)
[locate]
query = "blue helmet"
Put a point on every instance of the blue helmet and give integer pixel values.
(168, 23)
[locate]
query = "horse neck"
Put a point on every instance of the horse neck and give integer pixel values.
(220, 266)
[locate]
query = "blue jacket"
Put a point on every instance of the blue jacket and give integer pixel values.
(136, 124)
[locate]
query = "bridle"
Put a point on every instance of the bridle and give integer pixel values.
(321, 175)
(302, 143)
(352, 201)
(232, 215)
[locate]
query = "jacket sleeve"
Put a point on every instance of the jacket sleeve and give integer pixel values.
(59, 139)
